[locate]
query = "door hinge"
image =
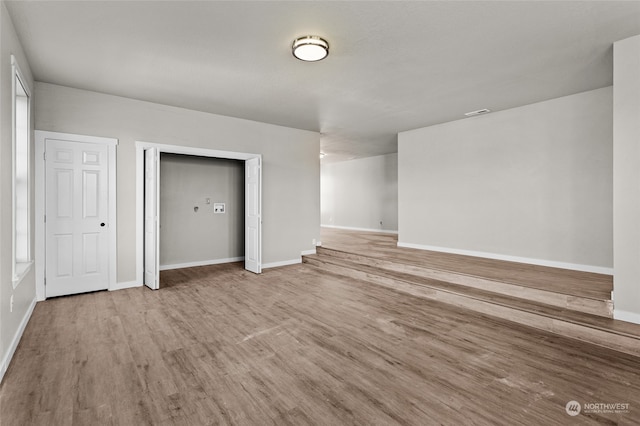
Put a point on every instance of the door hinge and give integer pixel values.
(45, 218)
(44, 156)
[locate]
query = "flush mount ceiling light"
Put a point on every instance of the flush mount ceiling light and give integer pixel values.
(310, 48)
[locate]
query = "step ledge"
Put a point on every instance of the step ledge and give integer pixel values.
(554, 319)
(476, 277)
(462, 294)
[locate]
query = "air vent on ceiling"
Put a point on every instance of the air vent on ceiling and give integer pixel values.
(478, 112)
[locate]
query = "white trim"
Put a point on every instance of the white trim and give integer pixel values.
(16, 73)
(73, 137)
(125, 284)
(626, 316)
(111, 143)
(16, 339)
(540, 262)
(201, 263)
(308, 252)
(173, 149)
(282, 263)
(139, 214)
(113, 211)
(40, 241)
(21, 271)
(201, 152)
(351, 228)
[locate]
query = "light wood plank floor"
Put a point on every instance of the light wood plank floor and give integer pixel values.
(219, 345)
(583, 284)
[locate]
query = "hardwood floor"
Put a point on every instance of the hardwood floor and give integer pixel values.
(219, 345)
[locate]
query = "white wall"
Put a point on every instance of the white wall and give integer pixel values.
(291, 167)
(626, 179)
(361, 193)
(533, 182)
(200, 237)
(11, 322)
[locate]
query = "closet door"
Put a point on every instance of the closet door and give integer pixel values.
(253, 216)
(151, 218)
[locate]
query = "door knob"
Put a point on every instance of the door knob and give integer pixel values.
(102, 224)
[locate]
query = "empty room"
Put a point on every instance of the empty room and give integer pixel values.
(319, 212)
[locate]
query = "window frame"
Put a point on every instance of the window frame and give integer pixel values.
(21, 263)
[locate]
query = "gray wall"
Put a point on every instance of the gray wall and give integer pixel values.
(187, 236)
(361, 193)
(626, 174)
(290, 174)
(24, 294)
(533, 182)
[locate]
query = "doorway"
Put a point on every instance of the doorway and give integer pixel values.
(148, 206)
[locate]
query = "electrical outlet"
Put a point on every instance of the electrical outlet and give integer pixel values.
(313, 242)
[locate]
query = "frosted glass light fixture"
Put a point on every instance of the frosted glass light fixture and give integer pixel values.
(310, 48)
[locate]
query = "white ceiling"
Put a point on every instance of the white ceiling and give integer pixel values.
(393, 66)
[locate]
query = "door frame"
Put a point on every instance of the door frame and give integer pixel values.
(41, 138)
(141, 146)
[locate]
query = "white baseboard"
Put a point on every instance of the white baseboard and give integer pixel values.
(289, 262)
(125, 284)
(282, 263)
(350, 228)
(540, 262)
(6, 360)
(626, 316)
(201, 263)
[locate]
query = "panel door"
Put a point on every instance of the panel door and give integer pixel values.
(151, 218)
(77, 214)
(253, 216)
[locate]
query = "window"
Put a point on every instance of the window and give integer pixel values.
(21, 205)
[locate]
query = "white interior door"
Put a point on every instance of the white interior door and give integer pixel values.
(151, 218)
(76, 217)
(253, 216)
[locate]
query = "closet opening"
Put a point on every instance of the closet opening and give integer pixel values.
(196, 207)
(201, 211)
